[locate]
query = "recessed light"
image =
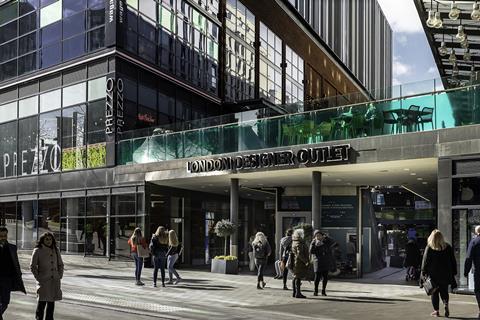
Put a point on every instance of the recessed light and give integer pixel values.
(424, 182)
(325, 175)
(349, 183)
(260, 184)
(338, 180)
(383, 171)
(413, 174)
(202, 187)
(210, 185)
(249, 195)
(406, 169)
(225, 190)
(419, 179)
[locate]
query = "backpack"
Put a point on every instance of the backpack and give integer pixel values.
(259, 251)
(290, 261)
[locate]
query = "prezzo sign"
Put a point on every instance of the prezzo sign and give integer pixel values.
(31, 161)
(114, 106)
(307, 157)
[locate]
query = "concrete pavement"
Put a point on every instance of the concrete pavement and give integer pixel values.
(96, 290)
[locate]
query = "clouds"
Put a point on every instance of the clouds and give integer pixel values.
(400, 69)
(402, 15)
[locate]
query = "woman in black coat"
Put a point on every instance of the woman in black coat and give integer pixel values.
(321, 251)
(439, 263)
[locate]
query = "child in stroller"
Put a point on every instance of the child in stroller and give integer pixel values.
(412, 261)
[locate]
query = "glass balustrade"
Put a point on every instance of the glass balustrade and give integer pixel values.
(435, 109)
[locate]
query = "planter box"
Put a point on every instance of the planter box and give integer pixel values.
(224, 266)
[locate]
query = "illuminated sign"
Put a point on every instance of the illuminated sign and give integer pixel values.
(318, 156)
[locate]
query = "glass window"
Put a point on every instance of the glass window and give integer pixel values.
(73, 25)
(27, 63)
(8, 12)
(8, 31)
(97, 88)
(27, 6)
(71, 7)
(51, 13)
(167, 19)
(96, 150)
(28, 107)
(27, 23)
(27, 146)
(72, 230)
(8, 51)
(73, 137)
(96, 39)
(8, 70)
(27, 214)
(96, 17)
(73, 47)
(27, 43)
(8, 218)
(8, 111)
(148, 8)
(133, 3)
(51, 33)
(49, 217)
(96, 226)
(50, 100)
(8, 148)
(74, 94)
(51, 55)
(49, 148)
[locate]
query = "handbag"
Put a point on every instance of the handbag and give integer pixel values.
(142, 252)
(429, 286)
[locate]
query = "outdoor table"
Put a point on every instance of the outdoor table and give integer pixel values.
(404, 113)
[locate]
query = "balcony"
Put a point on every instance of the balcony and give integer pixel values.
(419, 108)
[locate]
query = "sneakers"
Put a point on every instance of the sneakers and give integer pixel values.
(435, 313)
(154, 285)
(177, 281)
(315, 293)
(264, 284)
(259, 287)
(139, 283)
(324, 293)
(285, 288)
(163, 284)
(170, 282)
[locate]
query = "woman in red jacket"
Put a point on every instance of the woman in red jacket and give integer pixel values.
(138, 248)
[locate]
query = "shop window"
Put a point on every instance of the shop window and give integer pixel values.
(8, 149)
(51, 13)
(8, 218)
(96, 226)
(96, 150)
(8, 112)
(74, 94)
(27, 217)
(73, 138)
(466, 191)
(49, 218)
(27, 146)
(49, 153)
(50, 100)
(72, 232)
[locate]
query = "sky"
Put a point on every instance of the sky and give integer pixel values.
(412, 56)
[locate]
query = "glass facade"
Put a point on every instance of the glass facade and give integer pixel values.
(270, 65)
(38, 34)
(60, 129)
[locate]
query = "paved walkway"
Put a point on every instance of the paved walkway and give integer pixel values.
(108, 292)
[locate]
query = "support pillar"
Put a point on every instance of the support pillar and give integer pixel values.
(316, 199)
(234, 216)
(359, 234)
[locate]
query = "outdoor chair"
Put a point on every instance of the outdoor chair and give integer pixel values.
(426, 117)
(390, 119)
(411, 120)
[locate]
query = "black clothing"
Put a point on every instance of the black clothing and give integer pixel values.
(7, 268)
(413, 256)
(321, 275)
(5, 290)
(261, 250)
(174, 250)
(41, 310)
(322, 254)
(443, 292)
(473, 257)
(285, 247)
(156, 248)
(261, 264)
(285, 275)
(159, 262)
(440, 265)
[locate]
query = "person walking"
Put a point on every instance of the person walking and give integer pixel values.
(321, 251)
(10, 272)
(261, 252)
(138, 246)
(440, 265)
(158, 248)
(285, 249)
(47, 268)
(174, 250)
(473, 257)
(300, 262)
(413, 259)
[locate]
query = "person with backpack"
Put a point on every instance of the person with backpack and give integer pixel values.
(321, 251)
(285, 249)
(159, 247)
(261, 252)
(298, 261)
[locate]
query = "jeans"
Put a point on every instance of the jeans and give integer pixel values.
(138, 265)
(260, 263)
(285, 275)
(321, 275)
(5, 289)
(41, 310)
(171, 266)
(159, 263)
(443, 292)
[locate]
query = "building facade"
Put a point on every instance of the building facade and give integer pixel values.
(78, 78)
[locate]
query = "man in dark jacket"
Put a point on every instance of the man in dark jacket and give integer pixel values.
(10, 273)
(473, 257)
(285, 248)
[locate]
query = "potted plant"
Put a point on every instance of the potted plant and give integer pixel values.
(225, 264)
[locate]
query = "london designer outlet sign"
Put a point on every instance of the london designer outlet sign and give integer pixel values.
(307, 157)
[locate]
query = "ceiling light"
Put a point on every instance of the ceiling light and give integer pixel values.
(467, 56)
(424, 182)
(338, 180)
(476, 12)
(437, 22)
(413, 174)
(419, 179)
(461, 33)
(443, 50)
(452, 58)
(406, 169)
(431, 19)
(454, 12)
